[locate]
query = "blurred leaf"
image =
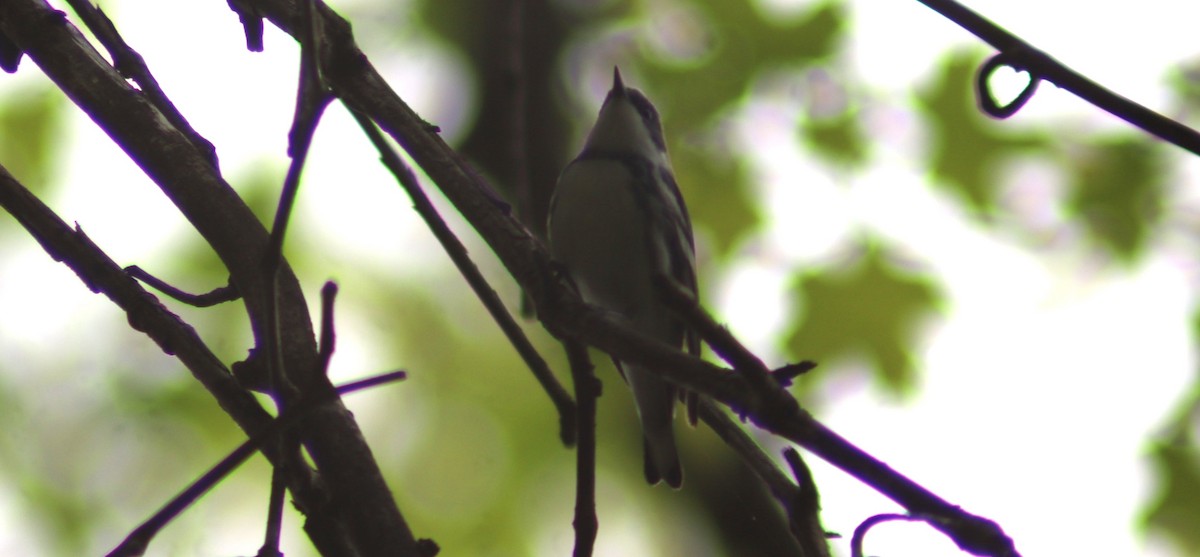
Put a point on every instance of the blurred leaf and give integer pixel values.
(62, 511)
(872, 307)
(1176, 512)
(34, 116)
(719, 199)
(1117, 193)
(967, 149)
(838, 139)
(748, 41)
(1174, 508)
(1185, 82)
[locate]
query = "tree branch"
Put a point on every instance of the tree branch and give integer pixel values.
(1022, 56)
(359, 85)
(587, 390)
(362, 503)
(457, 252)
(146, 314)
(800, 502)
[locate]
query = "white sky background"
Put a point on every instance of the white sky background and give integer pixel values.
(1039, 389)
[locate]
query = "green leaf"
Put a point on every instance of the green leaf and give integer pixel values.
(838, 139)
(34, 116)
(719, 198)
(1117, 193)
(872, 309)
(1175, 512)
(966, 148)
(747, 42)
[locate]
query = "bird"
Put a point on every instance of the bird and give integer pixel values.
(617, 224)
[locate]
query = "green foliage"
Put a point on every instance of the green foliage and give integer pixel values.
(967, 149)
(1174, 511)
(839, 139)
(746, 43)
(873, 309)
(469, 440)
(31, 123)
(719, 199)
(1117, 191)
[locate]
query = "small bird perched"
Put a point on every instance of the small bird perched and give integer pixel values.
(617, 224)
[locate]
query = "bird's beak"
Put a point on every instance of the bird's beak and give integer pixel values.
(618, 86)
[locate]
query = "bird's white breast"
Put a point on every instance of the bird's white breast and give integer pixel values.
(598, 231)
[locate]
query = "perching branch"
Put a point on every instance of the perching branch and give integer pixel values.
(564, 314)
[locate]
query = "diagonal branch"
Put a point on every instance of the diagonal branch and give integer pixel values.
(146, 314)
(484, 291)
(359, 85)
(800, 502)
(1020, 55)
(364, 507)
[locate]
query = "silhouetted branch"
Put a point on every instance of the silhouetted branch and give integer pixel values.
(364, 515)
(860, 532)
(565, 315)
(146, 314)
(1021, 56)
(328, 334)
(805, 508)
(798, 501)
(138, 540)
(587, 390)
(220, 295)
(252, 24)
(486, 294)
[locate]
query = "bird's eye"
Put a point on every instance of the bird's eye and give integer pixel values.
(644, 108)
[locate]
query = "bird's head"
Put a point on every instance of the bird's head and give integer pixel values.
(628, 124)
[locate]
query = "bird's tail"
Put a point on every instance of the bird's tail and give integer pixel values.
(655, 400)
(662, 460)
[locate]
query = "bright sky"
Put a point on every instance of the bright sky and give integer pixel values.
(1039, 389)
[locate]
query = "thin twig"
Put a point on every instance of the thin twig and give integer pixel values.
(803, 519)
(860, 532)
(1022, 56)
(364, 515)
(587, 390)
(252, 23)
(328, 334)
(462, 260)
(805, 507)
(138, 540)
(220, 295)
(311, 99)
(270, 546)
